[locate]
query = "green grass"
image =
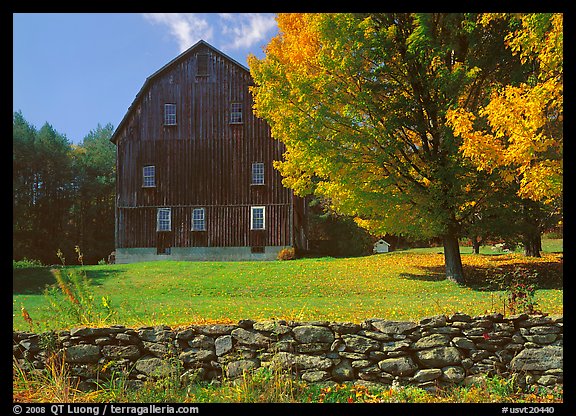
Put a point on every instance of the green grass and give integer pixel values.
(404, 285)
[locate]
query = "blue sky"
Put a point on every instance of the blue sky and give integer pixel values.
(77, 70)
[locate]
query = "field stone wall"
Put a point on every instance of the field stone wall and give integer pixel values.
(436, 351)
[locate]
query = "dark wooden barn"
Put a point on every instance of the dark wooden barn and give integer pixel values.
(195, 179)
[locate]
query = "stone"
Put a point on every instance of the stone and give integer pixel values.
(194, 355)
(217, 329)
(343, 328)
(90, 332)
(223, 345)
(352, 355)
(127, 339)
(115, 352)
(237, 368)
(315, 376)
(273, 327)
(463, 343)
(156, 349)
(250, 338)
(434, 340)
(186, 334)
(393, 327)
(549, 380)
(313, 347)
(311, 333)
(338, 345)
(395, 346)
(84, 353)
(359, 344)
(401, 366)
(538, 359)
(439, 357)
(343, 371)
(535, 321)
(447, 330)
(541, 339)
(32, 344)
(428, 374)
(544, 330)
(302, 362)
(433, 321)
(453, 374)
(361, 363)
(153, 367)
(201, 341)
(369, 373)
(460, 317)
(156, 334)
(378, 336)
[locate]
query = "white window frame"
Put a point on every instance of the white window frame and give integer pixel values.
(254, 216)
(149, 178)
(170, 114)
(258, 173)
(236, 116)
(163, 224)
(201, 217)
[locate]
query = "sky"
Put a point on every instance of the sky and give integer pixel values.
(78, 70)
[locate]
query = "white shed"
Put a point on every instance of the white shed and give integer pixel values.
(381, 246)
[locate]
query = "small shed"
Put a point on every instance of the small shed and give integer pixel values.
(381, 246)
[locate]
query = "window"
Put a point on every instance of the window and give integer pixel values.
(169, 114)
(198, 219)
(202, 65)
(236, 113)
(163, 219)
(257, 218)
(149, 176)
(258, 173)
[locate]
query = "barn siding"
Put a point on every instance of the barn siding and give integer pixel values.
(202, 161)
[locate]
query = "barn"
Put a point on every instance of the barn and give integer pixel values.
(194, 169)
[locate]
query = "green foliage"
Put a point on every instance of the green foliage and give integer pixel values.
(25, 263)
(70, 185)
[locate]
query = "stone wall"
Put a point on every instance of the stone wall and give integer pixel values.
(436, 351)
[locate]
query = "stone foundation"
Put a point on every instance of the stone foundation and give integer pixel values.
(436, 351)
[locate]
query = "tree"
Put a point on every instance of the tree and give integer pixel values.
(518, 133)
(360, 102)
(95, 181)
(63, 194)
(42, 190)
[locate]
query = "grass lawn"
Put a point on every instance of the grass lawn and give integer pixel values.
(402, 285)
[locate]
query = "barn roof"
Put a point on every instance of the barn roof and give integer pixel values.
(162, 70)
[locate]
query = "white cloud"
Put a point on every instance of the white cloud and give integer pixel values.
(245, 30)
(187, 28)
(227, 31)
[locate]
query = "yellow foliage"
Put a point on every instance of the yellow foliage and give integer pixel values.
(523, 140)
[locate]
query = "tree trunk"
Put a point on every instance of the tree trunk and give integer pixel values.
(452, 259)
(476, 245)
(532, 244)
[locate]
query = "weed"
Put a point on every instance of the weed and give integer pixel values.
(72, 300)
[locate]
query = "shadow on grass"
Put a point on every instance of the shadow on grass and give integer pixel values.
(543, 274)
(34, 280)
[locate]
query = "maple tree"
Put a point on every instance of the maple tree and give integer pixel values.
(518, 132)
(360, 101)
